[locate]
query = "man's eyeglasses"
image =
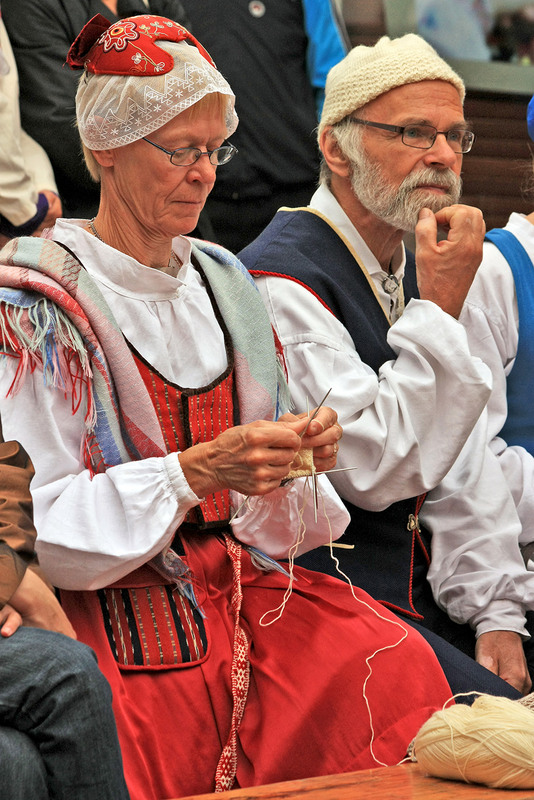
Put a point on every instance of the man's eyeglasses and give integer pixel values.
(424, 136)
(186, 156)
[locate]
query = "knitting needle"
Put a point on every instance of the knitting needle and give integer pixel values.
(314, 475)
(314, 479)
(338, 469)
(315, 413)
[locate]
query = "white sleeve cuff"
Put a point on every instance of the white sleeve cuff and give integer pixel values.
(501, 615)
(178, 482)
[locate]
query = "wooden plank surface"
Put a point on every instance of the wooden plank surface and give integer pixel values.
(405, 782)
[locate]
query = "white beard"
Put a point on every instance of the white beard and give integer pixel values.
(400, 206)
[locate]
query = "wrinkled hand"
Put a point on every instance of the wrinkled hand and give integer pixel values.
(38, 607)
(445, 269)
(54, 211)
(253, 459)
(502, 653)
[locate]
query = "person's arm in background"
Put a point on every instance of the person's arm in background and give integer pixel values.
(25, 597)
(28, 194)
(490, 317)
(40, 33)
(328, 43)
(477, 573)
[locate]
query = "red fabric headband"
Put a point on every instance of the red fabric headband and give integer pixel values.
(128, 47)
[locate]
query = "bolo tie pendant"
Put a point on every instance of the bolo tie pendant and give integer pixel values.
(390, 284)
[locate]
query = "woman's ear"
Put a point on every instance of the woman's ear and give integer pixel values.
(104, 157)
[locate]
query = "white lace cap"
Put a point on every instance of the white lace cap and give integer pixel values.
(114, 110)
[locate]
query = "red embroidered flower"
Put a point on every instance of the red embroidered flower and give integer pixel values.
(98, 45)
(118, 36)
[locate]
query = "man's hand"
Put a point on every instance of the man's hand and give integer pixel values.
(502, 653)
(446, 268)
(38, 607)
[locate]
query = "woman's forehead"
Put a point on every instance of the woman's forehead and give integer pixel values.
(195, 122)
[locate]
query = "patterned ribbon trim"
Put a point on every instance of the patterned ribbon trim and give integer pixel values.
(227, 766)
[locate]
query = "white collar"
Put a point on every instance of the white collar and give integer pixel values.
(122, 273)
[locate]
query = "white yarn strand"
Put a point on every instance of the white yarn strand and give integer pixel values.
(280, 609)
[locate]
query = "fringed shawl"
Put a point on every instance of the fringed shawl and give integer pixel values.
(54, 318)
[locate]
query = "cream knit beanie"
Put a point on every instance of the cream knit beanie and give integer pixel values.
(367, 72)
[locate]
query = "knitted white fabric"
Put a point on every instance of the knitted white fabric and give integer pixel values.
(114, 110)
(367, 72)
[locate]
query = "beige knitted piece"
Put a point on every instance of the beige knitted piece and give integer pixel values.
(302, 464)
(367, 72)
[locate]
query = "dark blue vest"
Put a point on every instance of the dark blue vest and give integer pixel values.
(389, 558)
(519, 426)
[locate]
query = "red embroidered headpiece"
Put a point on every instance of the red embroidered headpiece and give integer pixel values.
(128, 47)
(138, 75)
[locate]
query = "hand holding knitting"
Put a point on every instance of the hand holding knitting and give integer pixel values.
(253, 459)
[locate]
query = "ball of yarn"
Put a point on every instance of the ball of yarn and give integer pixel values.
(490, 742)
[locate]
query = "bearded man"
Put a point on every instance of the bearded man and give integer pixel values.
(356, 315)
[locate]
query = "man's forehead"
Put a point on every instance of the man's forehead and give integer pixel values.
(418, 100)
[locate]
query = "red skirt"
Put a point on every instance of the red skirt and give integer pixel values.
(337, 683)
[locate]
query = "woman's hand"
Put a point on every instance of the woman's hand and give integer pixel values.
(253, 459)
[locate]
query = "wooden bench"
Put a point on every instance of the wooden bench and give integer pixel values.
(405, 782)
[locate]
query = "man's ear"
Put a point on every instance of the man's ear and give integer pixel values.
(336, 160)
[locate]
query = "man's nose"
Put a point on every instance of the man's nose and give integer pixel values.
(441, 152)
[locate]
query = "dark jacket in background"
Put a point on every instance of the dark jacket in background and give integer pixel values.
(275, 55)
(41, 33)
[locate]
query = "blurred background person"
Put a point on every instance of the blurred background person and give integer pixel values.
(275, 54)
(41, 32)
(512, 36)
(28, 193)
(456, 28)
